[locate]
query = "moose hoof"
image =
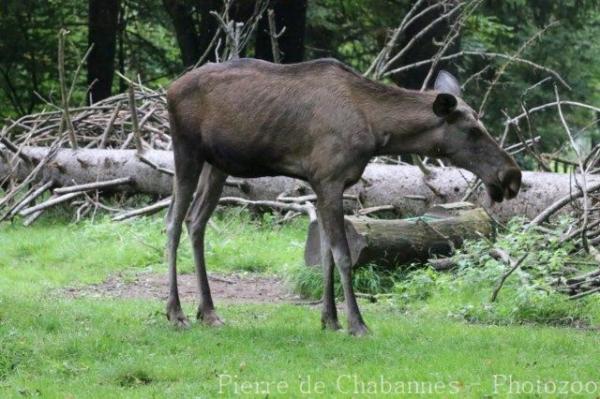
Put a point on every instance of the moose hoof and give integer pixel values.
(176, 315)
(209, 318)
(178, 319)
(358, 329)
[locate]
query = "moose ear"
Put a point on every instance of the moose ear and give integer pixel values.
(444, 104)
(447, 83)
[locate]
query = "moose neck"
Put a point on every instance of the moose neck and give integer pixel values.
(402, 120)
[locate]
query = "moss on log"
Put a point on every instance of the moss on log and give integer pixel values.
(393, 242)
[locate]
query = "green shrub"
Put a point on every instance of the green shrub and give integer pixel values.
(529, 295)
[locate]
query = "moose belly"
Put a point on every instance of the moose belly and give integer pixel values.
(249, 161)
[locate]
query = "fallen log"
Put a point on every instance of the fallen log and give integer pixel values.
(403, 187)
(392, 242)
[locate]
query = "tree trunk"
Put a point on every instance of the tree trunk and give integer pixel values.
(185, 30)
(103, 18)
(393, 242)
(425, 48)
(208, 25)
(292, 16)
(404, 187)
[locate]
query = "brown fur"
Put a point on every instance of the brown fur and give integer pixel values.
(318, 121)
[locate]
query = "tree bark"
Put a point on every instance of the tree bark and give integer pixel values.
(103, 18)
(393, 242)
(403, 187)
(425, 48)
(181, 14)
(292, 16)
(208, 25)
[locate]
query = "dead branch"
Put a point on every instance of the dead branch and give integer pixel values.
(109, 126)
(583, 171)
(147, 210)
(557, 205)
(481, 54)
(137, 136)
(274, 36)
(420, 34)
(374, 209)
(63, 87)
(552, 105)
(35, 193)
(514, 266)
(94, 186)
(51, 202)
(281, 206)
(502, 69)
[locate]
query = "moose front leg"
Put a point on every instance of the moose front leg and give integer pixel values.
(329, 318)
(331, 212)
(207, 196)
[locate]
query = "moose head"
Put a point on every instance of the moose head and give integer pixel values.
(464, 140)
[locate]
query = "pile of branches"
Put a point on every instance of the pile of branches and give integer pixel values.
(582, 285)
(116, 122)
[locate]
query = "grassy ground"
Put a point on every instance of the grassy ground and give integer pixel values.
(53, 346)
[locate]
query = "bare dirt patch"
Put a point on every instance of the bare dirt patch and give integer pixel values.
(240, 288)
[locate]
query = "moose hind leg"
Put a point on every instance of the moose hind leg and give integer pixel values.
(205, 201)
(329, 318)
(330, 207)
(187, 170)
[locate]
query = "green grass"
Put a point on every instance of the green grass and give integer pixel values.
(55, 252)
(52, 346)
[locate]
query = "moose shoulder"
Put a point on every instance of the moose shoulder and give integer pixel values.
(318, 121)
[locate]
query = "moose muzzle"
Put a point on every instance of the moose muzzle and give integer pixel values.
(507, 186)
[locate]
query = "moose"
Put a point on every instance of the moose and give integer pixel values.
(318, 121)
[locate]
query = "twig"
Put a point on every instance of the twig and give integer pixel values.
(109, 126)
(551, 105)
(583, 172)
(76, 74)
(94, 186)
(274, 36)
(585, 293)
(373, 209)
(63, 87)
(49, 203)
(27, 200)
(502, 68)
(311, 197)
(154, 165)
(147, 210)
(137, 136)
(420, 34)
(558, 204)
(454, 32)
(500, 283)
(35, 216)
(481, 54)
(264, 203)
(383, 55)
(526, 146)
(13, 148)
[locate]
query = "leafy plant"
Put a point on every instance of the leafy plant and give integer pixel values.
(529, 295)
